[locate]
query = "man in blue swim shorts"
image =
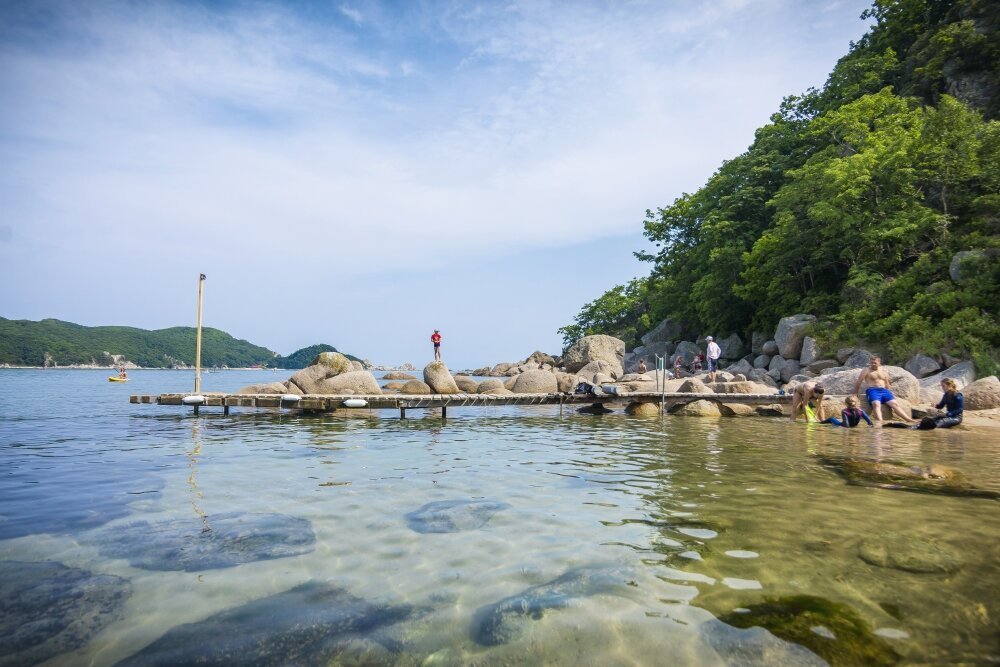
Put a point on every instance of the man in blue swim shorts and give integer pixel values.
(879, 392)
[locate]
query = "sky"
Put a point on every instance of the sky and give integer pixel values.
(361, 173)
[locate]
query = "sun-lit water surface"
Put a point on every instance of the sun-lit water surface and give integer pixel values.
(693, 519)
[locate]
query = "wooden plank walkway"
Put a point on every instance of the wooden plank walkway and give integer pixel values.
(404, 402)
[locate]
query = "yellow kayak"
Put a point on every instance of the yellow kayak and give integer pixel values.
(113, 378)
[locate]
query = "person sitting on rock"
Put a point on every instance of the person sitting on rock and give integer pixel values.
(879, 392)
(642, 366)
(954, 404)
(851, 415)
(801, 395)
(678, 366)
(696, 364)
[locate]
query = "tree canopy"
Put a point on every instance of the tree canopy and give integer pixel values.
(851, 204)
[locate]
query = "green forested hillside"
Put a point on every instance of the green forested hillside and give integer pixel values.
(23, 342)
(851, 204)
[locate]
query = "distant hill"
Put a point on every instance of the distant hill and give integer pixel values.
(54, 342)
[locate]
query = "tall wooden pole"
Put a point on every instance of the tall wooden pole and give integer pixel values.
(197, 345)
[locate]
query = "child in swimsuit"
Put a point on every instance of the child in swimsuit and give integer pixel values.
(850, 416)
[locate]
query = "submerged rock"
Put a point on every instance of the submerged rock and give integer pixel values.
(453, 516)
(896, 475)
(196, 544)
(47, 609)
(312, 624)
(909, 553)
(755, 646)
(503, 621)
(594, 409)
(796, 619)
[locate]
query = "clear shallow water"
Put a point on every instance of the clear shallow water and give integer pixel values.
(605, 540)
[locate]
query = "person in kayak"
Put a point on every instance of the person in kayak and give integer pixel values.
(851, 415)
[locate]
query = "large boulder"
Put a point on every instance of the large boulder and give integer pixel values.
(790, 334)
(761, 376)
(821, 365)
(687, 350)
(600, 367)
(499, 391)
(466, 384)
(489, 386)
(859, 359)
(352, 382)
(741, 388)
(416, 387)
(665, 331)
(762, 361)
(642, 409)
(357, 365)
(757, 340)
(843, 354)
(742, 366)
(921, 365)
(810, 351)
(699, 408)
(694, 386)
(265, 388)
(595, 348)
(398, 375)
(732, 347)
(540, 358)
(983, 394)
(535, 382)
(901, 382)
(395, 385)
(335, 361)
(565, 382)
(308, 378)
(500, 369)
(736, 410)
(438, 378)
(769, 347)
(963, 373)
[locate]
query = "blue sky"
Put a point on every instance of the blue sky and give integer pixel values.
(360, 173)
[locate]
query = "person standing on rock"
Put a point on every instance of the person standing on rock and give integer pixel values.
(713, 352)
(436, 339)
(879, 392)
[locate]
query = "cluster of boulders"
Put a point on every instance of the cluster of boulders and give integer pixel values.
(790, 357)
(771, 365)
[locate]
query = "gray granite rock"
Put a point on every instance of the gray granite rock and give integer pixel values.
(453, 516)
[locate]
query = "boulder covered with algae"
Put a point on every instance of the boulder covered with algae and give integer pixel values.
(831, 630)
(901, 476)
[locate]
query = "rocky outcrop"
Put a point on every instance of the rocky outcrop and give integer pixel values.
(694, 386)
(595, 348)
(535, 382)
(699, 408)
(732, 347)
(265, 388)
(963, 374)
(335, 361)
(810, 351)
(416, 387)
(920, 365)
(902, 383)
(308, 378)
(466, 384)
(791, 333)
(488, 386)
(983, 394)
(352, 382)
(398, 375)
(599, 367)
(437, 377)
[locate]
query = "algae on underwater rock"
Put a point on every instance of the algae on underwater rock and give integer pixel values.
(898, 475)
(796, 619)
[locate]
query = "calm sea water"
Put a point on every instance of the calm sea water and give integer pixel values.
(502, 536)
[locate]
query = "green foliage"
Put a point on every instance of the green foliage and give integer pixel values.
(26, 343)
(851, 202)
(302, 358)
(619, 312)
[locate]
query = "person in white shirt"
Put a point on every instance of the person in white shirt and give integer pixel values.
(712, 353)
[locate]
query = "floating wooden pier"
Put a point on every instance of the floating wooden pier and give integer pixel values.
(404, 402)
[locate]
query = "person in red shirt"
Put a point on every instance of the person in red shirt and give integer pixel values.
(436, 339)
